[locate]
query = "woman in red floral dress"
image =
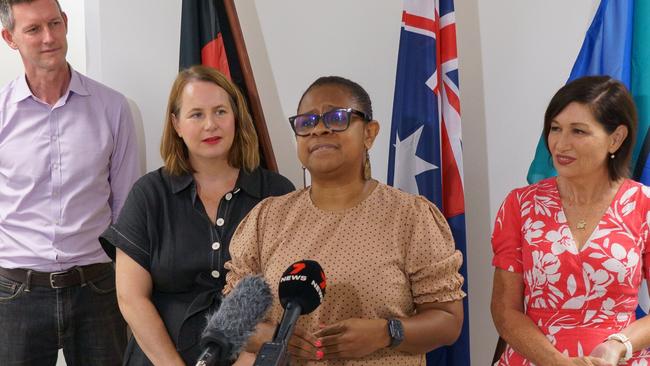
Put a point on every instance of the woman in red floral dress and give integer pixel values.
(570, 251)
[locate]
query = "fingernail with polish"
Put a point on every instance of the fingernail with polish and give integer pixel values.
(320, 354)
(318, 343)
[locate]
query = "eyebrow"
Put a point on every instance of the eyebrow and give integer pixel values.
(328, 108)
(36, 23)
(572, 123)
(215, 107)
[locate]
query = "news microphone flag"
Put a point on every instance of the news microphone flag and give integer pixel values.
(425, 152)
(616, 45)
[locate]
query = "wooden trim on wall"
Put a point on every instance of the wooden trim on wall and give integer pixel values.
(251, 88)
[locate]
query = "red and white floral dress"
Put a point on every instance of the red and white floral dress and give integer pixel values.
(576, 297)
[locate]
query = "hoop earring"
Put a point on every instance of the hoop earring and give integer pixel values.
(367, 170)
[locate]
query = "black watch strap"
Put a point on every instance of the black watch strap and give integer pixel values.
(396, 332)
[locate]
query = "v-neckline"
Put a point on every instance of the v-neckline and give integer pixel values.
(597, 227)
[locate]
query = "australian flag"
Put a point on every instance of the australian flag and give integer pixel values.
(425, 141)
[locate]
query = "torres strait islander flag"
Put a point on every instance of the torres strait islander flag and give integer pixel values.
(425, 143)
(202, 41)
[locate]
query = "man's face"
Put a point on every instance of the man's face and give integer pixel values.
(39, 34)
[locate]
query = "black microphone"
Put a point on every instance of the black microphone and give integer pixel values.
(229, 327)
(301, 291)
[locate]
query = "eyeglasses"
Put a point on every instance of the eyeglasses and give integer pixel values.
(336, 120)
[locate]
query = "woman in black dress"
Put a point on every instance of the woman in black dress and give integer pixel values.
(173, 233)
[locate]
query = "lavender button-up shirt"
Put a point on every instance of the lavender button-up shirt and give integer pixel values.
(65, 172)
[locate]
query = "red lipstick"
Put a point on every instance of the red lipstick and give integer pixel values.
(564, 160)
(212, 140)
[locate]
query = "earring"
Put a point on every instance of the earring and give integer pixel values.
(367, 171)
(612, 156)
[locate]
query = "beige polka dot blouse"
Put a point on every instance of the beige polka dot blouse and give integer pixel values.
(381, 257)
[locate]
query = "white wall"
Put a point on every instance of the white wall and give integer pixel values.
(133, 46)
(513, 56)
(528, 50)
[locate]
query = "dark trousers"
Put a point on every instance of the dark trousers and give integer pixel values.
(83, 320)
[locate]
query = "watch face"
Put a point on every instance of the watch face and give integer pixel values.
(396, 332)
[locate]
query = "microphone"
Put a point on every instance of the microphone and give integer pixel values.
(229, 327)
(301, 291)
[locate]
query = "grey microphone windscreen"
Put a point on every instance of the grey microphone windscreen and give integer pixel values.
(234, 322)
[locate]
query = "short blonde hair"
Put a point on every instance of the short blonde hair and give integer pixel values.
(244, 152)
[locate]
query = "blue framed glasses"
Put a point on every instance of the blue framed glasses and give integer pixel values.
(336, 120)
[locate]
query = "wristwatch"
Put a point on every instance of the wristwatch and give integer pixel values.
(396, 332)
(620, 337)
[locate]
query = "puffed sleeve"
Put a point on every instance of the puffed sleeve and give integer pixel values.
(432, 261)
(245, 249)
(506, 236)
(130, 232)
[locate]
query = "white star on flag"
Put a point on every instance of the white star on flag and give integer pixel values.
(408, 164)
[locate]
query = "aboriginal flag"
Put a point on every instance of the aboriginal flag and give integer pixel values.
(206, 38)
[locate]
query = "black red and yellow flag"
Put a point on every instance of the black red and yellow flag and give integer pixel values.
(206, 37)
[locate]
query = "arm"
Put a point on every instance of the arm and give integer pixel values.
(433, 325)
(124, 164)
(515, 326)
(134, 287)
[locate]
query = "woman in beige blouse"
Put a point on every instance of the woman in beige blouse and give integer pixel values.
(389, 256)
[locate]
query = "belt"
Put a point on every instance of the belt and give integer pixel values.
(72, 277)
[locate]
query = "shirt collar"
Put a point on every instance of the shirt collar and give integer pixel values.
(22, 91)
(249, 182)
(76, 84)
(180, 182)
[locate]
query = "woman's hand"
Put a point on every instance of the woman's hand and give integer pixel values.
(610, 352)
(303, 345)
(352, 338)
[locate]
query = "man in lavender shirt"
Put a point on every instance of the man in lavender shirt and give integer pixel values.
(68, 157)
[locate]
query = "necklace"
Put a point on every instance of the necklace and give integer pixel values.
(581, 225)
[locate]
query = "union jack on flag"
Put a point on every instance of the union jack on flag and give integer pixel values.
(425, 143)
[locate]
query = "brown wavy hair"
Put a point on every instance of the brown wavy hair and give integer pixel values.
(244, 152)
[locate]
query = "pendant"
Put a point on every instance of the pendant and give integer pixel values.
(581, 225)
